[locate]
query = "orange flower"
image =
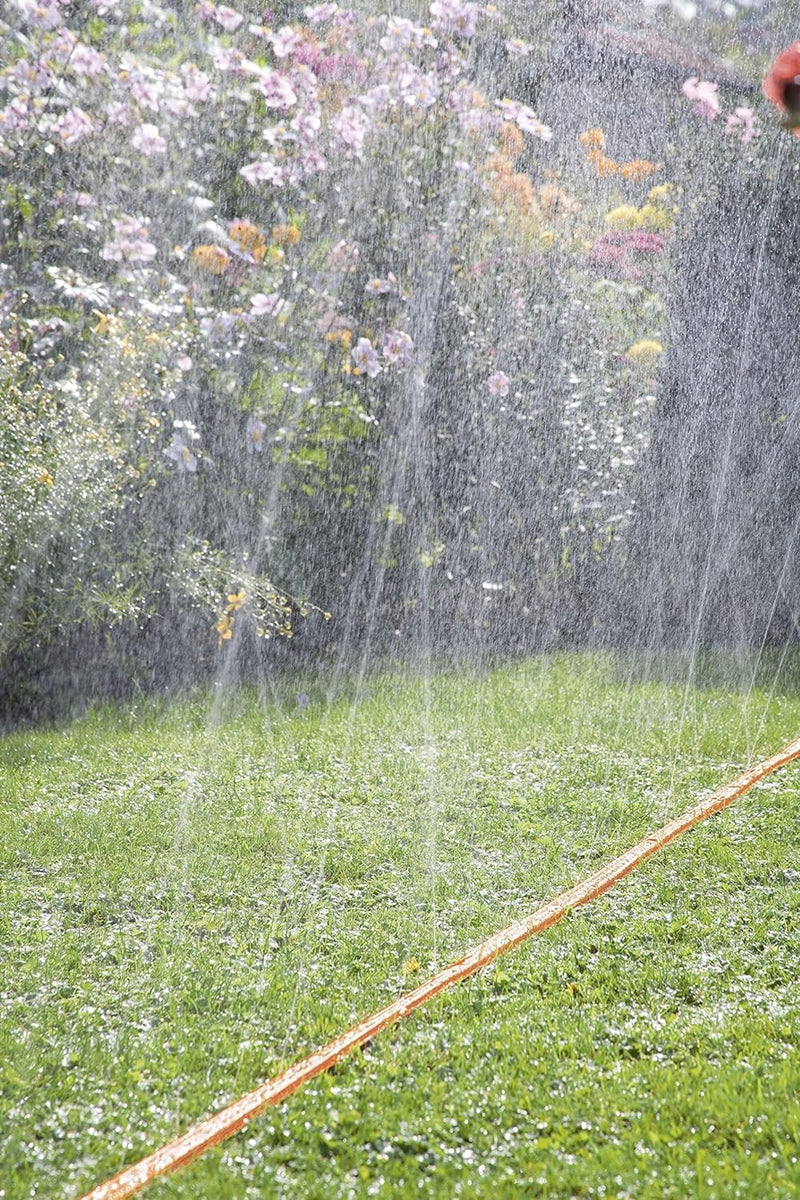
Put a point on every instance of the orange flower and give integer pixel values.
(286, 235)
(593, 139)
(640, 168)
(499, 164)
(511, 140)
(602, 164)
(782, 85)
(553, 197)
(211, 258)
(250, 238)
(518, 189)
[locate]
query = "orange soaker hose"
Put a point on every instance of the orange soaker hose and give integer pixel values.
(231, 1119)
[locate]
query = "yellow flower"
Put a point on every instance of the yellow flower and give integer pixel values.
(411, 966)
(342, 337)
(655, 218)
(660, 194)
(640, 168)
(645, 351)
(44, 476)
(211, 258)
(624, 217)
(593, 139)
(224, 628)
(103, 322)
(236, 600)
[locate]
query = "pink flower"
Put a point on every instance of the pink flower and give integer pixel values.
(397, 347)
(86, 61)
(375, 99)
(62, 46)
(418, 90)
(226, 58)
(744, 119)
(228, 18)
(31, 76)
(344, 256)
(517, 48)
(263, 171)
(703, 94)
(311, 161)
(365, 358)
(147, 140)
(119, 113)
(381, 287)
(315, 14)
(255, 435)
(399, 35)
(626, 255)
(16, 116)
(130, 242)
(73, 125)
(351, 128)
(44, 13)
(181, 454)
(402, 33)
(328, 66)
(307, 123)
(285, 42)
(451, 16)
(196, 82)
(267, 306)
(146, 92)
(497, 384)
(276, 90)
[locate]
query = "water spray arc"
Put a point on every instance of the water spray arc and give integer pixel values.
(230, 1120)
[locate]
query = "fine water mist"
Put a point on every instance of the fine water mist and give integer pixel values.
(400, 418)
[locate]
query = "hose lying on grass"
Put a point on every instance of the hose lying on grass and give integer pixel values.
(231, 1119)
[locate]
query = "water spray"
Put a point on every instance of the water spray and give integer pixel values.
(234, 1117)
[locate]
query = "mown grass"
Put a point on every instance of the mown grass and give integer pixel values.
(196, 894)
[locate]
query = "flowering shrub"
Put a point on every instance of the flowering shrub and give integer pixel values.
(270, 280)
(219, 344)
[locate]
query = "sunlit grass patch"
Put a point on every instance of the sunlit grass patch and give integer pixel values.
(195, 899)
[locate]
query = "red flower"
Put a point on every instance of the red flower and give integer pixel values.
(782, 85)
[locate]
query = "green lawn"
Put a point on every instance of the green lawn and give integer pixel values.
(195, 895)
